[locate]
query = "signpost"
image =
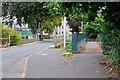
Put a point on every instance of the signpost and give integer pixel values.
(64, 27)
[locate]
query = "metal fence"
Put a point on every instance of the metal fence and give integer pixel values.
(78, 39)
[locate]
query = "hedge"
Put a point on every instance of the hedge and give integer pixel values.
(111, 46)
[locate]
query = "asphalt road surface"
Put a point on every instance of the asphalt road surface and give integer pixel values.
(13, 58)
(52, 65)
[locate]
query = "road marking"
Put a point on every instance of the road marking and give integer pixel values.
(25, 63)
(68, 61)
(39, 52)
(44, 54)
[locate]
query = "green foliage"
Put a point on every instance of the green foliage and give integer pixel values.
(1, 27)
(33, 13)
(36, 13)
(98, 24)
(15, 38)
(68, 45)
(50, 22)
(111, 45)
(91, 32)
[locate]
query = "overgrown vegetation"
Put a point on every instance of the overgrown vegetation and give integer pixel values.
(111, 46)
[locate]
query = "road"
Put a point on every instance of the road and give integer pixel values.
(13, 58)
(52, 65)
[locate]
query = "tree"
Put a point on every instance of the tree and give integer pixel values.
(50, 22)
(33, 13)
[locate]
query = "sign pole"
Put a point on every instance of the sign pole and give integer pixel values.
(64, 27)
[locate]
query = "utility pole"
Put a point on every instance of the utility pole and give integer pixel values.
(64, 27)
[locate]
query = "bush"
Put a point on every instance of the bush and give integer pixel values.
(15, 38)
(111, 46)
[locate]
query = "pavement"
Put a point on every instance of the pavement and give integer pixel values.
(50, 64)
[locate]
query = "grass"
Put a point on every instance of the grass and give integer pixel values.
(68, 56)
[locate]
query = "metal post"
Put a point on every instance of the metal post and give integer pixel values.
(9, 40)
(1, 9)
(64, 27)
(74, 43)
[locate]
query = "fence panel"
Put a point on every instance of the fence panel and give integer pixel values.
(78, 39)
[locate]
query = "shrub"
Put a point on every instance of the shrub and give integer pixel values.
(15, 38)
(111, 46)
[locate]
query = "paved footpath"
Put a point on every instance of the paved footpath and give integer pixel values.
(49, 64)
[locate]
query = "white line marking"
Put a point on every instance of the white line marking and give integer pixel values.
(44, 54)
(26, 60)
(70, 60)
